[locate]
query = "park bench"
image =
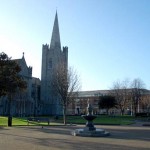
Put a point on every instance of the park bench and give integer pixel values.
(38, 120)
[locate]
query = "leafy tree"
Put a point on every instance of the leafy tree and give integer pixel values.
(106, 102)
(66, 84)
(10, 80)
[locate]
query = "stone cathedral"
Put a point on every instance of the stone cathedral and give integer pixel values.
(51, 56)
(39, 97)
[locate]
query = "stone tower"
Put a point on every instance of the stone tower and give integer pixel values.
(51, 56)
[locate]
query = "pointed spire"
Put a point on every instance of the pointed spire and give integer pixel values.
(23, 55)
(55, 39)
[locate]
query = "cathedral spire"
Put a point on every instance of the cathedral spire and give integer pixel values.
(55, 39)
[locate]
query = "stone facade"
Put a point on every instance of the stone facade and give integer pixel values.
(39, 97)
(51, 57)
(35, 94)
(22, 102)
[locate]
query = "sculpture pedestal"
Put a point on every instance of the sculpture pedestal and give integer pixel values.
(90, 130)
(90, 133)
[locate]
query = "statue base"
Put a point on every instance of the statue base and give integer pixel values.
(90, 133)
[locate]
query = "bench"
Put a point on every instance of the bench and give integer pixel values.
(36, 119)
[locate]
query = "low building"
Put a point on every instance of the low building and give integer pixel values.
(23, 102)
(79, 106)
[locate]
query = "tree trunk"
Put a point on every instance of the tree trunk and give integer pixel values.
(107, 111)
(9, 111)
(135, 110)
(64, 114)
(122, 112)
(9, 121)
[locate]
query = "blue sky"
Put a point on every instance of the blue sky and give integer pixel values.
(108, 40)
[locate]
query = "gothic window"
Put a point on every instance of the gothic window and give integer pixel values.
(50, 64)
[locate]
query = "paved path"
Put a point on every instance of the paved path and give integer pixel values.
(59, 138)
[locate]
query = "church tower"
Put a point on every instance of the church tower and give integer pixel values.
(51, 56)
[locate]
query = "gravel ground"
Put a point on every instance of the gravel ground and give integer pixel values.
(60, 138)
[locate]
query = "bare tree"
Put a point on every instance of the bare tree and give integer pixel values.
(146, 103)
(120, 91)
(66, 84)
(137, 87)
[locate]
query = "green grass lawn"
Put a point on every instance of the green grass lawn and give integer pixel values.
(3, 121)
(117, 120)
(15, 121)
(112, 120)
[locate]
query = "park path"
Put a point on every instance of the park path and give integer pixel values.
(139, 123)
(60, 138)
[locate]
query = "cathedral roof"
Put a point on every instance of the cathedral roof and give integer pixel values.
(55, 39)
(25, 70)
